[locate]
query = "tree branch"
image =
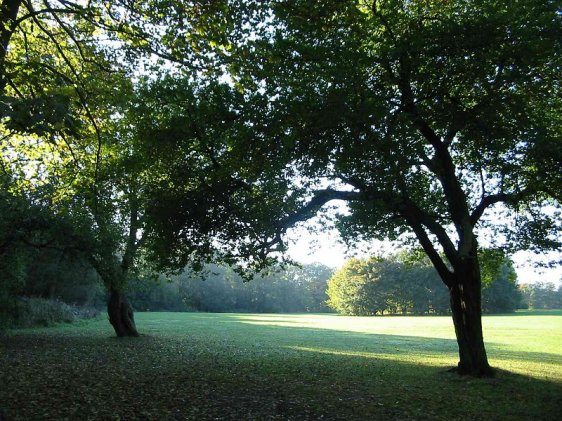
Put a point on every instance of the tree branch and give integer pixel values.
(492, 199)
(49, 10)
(438, 263)
(414, 215)
(321, 197)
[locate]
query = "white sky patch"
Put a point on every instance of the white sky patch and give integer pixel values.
(325, 247)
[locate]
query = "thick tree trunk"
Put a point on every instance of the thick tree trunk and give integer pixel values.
(121, 314)
(467, 317)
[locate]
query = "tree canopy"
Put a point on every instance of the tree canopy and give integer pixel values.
(435, 122)
(407, 284)
(178, 133)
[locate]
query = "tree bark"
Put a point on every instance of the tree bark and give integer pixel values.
(121, 314)
(8, 15)
(465, 295)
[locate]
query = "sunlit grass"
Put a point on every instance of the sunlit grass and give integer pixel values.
(508, 337)
(253, 366)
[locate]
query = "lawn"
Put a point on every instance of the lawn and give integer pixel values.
(248, 366)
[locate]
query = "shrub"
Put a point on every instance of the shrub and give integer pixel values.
(42, 312)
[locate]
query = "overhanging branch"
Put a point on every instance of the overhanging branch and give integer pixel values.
(492, 199)
(321, 197)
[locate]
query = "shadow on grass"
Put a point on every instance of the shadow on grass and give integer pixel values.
(554, 312)
(222, 367)
(341, 341)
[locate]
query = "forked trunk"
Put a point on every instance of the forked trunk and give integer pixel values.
(121, 314)
(467, 317)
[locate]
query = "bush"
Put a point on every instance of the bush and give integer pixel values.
(44, 312)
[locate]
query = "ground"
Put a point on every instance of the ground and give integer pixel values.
(243, 366)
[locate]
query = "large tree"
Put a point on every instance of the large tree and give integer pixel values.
(436, 121)
(65, 144)
(70, 121)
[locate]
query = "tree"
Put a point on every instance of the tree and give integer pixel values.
(402, 283)
(355, 289)
(310, 282)
(71, 120)
(220, 289)
(433, 121)
(502, 294)
(432, 115)
(63, 142)
(542, 295)
(423, 287)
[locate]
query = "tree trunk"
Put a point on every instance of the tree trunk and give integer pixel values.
(121, 314)
(8, 15)
(466, 301)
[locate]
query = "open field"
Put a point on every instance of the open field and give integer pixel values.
(248, 366)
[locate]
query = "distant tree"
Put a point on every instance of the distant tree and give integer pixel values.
(312, 282)
(409, 284)
(542, 295)
(220, 289)
(355, 289)
(502, 295)
(55, 274)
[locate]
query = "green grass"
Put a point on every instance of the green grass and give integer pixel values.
(247, 366)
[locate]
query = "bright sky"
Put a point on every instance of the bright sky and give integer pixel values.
(324, 248)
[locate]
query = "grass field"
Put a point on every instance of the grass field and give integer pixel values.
(246, 366)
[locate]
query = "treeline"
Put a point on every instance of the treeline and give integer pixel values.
(408, 284)
(51, 285)
(542, 295)
(221, 289)
(46, 281)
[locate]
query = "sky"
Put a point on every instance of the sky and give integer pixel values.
(324, 248)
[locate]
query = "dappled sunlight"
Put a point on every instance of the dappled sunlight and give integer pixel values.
(517, 343)
(549, 371)
(427, 341)
(427, 359)
(320, 363)
(428, 327)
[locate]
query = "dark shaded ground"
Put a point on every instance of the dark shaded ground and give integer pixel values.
(220, 368)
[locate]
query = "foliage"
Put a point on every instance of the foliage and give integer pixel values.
(401, 103)
(356, 288)
(217, 366)
(20, 221)
(220, 289)
(55, 273)
(33, 312)
(165, 134)
(43, 312)
(542, 295)
(433, 122)
(373, 285)
(502, 294)
(38, 257)
(407, 283)
(65, 137)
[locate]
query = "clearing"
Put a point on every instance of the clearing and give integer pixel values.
(254, 366)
